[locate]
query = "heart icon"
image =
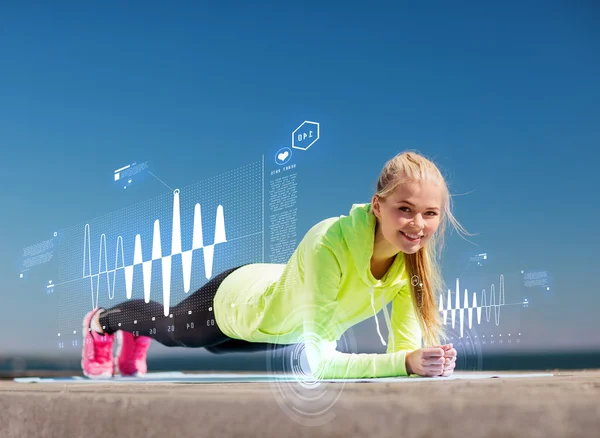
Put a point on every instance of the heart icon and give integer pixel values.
(283, 155)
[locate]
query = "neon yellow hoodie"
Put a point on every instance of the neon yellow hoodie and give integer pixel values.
(325, 288)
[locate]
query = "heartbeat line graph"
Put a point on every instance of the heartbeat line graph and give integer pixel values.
(176, 249)
(465, 305)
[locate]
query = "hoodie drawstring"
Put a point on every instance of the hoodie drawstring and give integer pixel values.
(375, 315)
(388, 321)
(387, 316)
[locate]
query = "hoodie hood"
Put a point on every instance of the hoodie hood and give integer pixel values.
(358, 229)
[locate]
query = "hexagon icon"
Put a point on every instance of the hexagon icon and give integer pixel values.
(305, 135)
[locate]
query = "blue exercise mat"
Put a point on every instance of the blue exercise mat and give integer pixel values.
(179, 377)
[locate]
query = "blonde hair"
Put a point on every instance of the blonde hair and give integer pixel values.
(424, 265)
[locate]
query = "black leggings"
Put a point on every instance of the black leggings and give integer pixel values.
(191, 323)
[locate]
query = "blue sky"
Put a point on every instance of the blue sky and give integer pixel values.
(504, 97)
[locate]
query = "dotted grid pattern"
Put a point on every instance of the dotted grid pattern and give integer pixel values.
(239, 191)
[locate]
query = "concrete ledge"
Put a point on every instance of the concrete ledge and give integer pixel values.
(566, 405)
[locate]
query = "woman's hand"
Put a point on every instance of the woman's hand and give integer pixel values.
(431, 361)
(450, 360)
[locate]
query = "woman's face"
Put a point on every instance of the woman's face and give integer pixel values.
(413, 209)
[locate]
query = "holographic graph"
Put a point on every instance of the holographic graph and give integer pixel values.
(138, 259)
(461, 307)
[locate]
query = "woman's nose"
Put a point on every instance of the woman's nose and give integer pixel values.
(418, 222)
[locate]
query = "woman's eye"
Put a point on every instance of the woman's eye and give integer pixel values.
(406, 209)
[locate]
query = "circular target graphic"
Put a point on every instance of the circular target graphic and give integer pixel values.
(302, 396)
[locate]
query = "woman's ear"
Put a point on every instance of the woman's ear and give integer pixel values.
(375, 206)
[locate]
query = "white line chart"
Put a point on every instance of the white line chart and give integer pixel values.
(461, 307)
(166, 259)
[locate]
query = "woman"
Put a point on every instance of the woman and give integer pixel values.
(344, 270)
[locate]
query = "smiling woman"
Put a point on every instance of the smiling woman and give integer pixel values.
(345, 270)
(412, 204)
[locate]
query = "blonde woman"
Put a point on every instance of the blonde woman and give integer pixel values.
(346, 269)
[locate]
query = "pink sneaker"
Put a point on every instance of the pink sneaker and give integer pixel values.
(96, 355)
(131, 354)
